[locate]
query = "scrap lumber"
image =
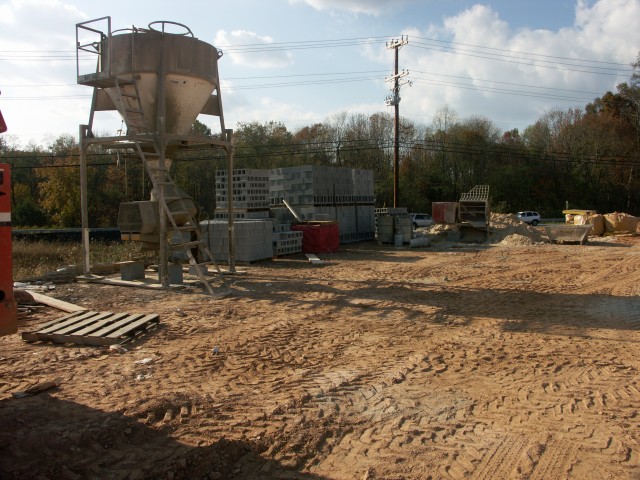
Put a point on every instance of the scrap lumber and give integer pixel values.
(55, 303)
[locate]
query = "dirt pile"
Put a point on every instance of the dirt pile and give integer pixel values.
(507, 229)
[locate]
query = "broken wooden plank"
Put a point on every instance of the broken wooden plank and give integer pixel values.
(55, 303)
(129, 283)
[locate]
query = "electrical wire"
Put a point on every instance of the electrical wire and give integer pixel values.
(520, 52)
(519, 93)
(528, 62)
(359, 146)
(504, 83)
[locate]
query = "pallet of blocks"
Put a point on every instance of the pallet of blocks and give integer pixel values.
(253, 239)
(250, 189)
(320, 192)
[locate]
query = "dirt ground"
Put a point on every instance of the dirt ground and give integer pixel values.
(514, 359)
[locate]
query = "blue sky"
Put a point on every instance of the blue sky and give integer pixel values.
(508, 60)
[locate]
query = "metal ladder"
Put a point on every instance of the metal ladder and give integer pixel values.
(161, 179)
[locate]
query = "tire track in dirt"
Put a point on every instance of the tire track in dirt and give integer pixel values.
(500, 460)
(282, 364)
(555, 461)
(394, 404)
(614, 273)
(569, 400)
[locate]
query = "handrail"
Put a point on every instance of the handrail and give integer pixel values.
(95, 47)
(167, 22)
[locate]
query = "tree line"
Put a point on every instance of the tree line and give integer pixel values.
(588, 158)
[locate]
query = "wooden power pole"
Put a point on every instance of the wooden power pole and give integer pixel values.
(394, 99)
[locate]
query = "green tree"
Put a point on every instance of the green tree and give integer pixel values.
(60, 193)
(262, 145)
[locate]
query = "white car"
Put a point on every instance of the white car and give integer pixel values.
(532, 218)
(421, 220)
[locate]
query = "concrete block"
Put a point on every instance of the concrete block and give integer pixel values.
(176, 276)
(132, 270)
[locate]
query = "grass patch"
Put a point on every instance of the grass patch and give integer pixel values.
(35, 258)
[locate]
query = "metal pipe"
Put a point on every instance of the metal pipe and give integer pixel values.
(230, 209)
(162, 177)
(84, 211)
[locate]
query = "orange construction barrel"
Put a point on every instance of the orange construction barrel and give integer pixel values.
(8, 310)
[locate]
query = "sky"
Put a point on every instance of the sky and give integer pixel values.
(302, 62)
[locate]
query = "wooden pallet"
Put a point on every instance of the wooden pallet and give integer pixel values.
(93, 328)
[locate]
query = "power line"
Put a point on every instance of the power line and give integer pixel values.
(528, 62)
(377, 72)
(519, 93)
(51, 97)
(521, 52)
(362, 145)
(505, 83)
(306, 44)
(301, 83)
(355, 41)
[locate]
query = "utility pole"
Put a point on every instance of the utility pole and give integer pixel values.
(394, 99)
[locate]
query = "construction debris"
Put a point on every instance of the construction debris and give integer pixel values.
(38, 388)
(53, 302)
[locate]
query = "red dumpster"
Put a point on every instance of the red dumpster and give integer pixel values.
(8, 310)
(319, 237)
(444, 212)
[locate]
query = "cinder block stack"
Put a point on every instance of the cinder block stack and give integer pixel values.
(315, 192)
(250, 194)
(253, 239)
(391, 221)
(251, 204)
(285, 241)
(391, 211)
(318, 192)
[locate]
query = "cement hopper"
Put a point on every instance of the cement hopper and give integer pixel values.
(188, 66)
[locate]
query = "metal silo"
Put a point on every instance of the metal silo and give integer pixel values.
(188, 68)
(159, 82)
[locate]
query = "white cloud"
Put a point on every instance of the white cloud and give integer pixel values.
(473, 80)
(29, 15)
(265, 109)
(367, 7)
(242, 42)
(609, 28)
(38, 43)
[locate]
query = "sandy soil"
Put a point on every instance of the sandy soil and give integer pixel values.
(513, 359)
